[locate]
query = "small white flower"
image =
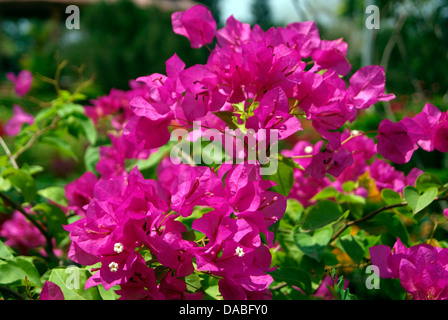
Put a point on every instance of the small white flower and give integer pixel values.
(308, 149)
(118, 247)
(355, 132)
(113, 266)
(239, 251)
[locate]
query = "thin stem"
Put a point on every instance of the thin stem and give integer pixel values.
(370, 215)
(374, 213)
(8, 153)
(343, 266)
(12, 292)
(302, 156)
(357, 135)
(163, 221)
(208, 48)
(40, 103)
(58, 75)
(81, 86)
(35, 137)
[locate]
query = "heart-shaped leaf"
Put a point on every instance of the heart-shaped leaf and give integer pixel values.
(426, 181)
(419, 200)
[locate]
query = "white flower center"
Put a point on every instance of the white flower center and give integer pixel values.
(113, 266)
(239, 251)
(355, 132)
(308, 149)
(118, 247)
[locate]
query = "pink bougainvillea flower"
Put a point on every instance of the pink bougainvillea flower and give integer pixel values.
(441, 136)
(367, 87)
(20, 117)
(21, 234)
(386, 176)
(394, 142)
(445, 212)
(174, 288)
(234, 33)
(234, 251)
(196, 23)
(142, 285)
(196, 186)
(306, 37)
(332, 162)
(422, 269)
(51, 291)
(331, 55)
(22, 81)
(422, 128)
(80, 191)
(273, 113)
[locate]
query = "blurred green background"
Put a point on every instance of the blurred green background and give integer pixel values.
(122, 40)
(118, 41)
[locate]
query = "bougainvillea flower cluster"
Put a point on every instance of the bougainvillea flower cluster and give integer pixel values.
(422, 269)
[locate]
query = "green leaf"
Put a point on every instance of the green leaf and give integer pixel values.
(64, 95)
(5, 184)
(72, 280)
(293, 212)
(227, 117)
(353, 246)
(284, 177)
(290, 255)
(344, 294)
(55, 220)
(193, 283)
(10, 273)
(394, 226)
(54, 193)
(351, 198)
(315, 244)
(391, 197)
(70, 109)
(88, 127)
(22, 181)
(322, 213)
(348, 186)
(28, 267)
(33, 169)
(290, 162)
(325, 193)
(91, 157)
(153, 160)
(293, 277)
(17, 269)
(5, 251)
(108, 294)
(60, 145)
(426, 181)
(419, 200)
(45, 114)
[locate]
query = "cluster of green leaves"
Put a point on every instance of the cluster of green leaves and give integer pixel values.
(22, 275)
